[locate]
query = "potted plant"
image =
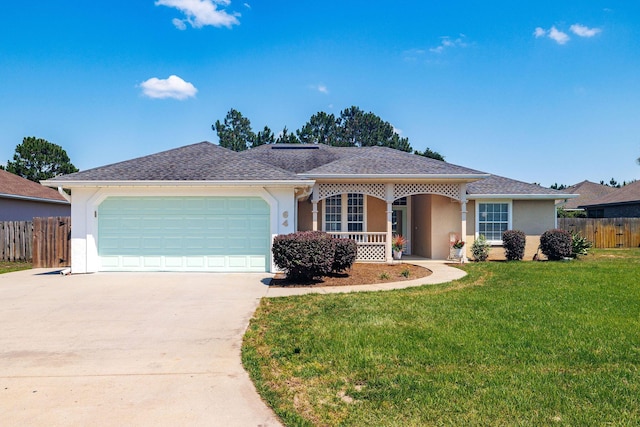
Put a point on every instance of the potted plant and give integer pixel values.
(458, 245)
(397, 245)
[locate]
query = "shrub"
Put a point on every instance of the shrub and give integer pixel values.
(480, 248)
(304, 255)
(344, 254)
(556, 244)
(513, 242)
(579, 245)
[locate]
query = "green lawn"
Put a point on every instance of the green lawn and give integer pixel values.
(6, 267)
(518, 343)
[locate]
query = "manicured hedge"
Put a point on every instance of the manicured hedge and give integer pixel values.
(556, 244)
(513, 242)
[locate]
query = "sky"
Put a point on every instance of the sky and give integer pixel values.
(544, 91)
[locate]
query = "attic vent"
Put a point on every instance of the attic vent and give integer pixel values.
(294, 147)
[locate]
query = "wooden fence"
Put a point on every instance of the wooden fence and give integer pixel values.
(605, 232)
(16, 240)
(44, 241)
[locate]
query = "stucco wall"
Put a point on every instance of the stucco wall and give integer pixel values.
(446, 219)
(533, 217)
(26, 210)
(305, 215)
(376, 214)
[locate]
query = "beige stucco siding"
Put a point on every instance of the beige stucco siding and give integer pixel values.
(376, 214)
(533, 217)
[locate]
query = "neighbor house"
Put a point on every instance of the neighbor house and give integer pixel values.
(22, 200)
(587, 191)
(622, 203)
(205, 208)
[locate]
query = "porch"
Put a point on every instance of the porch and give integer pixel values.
(426, 214)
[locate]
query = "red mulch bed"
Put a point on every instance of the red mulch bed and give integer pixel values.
(360, 274)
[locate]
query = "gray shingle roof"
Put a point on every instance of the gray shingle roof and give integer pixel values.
(588, 191)
(203, 161)
(630, 193)
(315, 160)
(497, 185)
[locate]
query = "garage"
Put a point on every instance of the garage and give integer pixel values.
(221, 234)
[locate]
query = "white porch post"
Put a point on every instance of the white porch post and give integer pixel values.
(463, 222)
(389, 197)
(314, 207)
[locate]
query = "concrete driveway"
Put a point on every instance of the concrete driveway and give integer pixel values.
(133, 349)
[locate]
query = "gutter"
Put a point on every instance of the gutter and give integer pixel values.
(157, 183)
(33, 199)
(400, 177)
(64, 194)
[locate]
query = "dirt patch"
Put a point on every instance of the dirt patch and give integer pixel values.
(360, 274)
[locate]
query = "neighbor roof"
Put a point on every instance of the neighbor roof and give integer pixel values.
(587, 191)
(630, 193)
(203, 161)
(16, 187)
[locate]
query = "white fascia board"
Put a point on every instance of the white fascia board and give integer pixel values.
(522, 196)
(266, 183)
(33, 199)
(400, 177)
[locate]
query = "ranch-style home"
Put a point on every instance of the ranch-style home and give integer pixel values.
(202, 207)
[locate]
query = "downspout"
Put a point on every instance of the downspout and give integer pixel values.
(64, 194)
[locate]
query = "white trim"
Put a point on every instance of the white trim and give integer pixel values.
(399, 177)
(344, 213)
(522, 196)
(33, 199)
(477, 221)
(165, 184)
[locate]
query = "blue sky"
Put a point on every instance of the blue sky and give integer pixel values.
(546, 91)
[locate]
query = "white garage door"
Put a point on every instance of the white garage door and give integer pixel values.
(184, 234)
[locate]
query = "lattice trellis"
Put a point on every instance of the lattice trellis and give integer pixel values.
(328, 190)
(448, 190)
(371, 253)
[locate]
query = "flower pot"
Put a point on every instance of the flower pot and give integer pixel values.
(459, 252)
(397, 254)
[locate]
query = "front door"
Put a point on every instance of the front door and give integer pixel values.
(399, 225)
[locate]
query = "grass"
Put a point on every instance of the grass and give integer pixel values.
(513, 343)
(6, 266)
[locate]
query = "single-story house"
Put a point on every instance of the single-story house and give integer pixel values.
(22, 200)
(202, 207)
(587, 191)
(622, 203)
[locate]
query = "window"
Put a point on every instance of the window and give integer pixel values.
(493, 219)
(333, 213)
(344, 206)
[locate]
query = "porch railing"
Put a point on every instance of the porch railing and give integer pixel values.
(371, 245)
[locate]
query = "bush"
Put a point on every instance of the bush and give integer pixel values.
(304, 255)
(344, 254)
(514, 242)
(556, 244)
(480, 248)
(579, 245)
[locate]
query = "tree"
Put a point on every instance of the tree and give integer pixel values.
(235, 133)
(430, 153)
(265, 136)
(37, 159)
(322, 128)
(287, 137)
(555, 186)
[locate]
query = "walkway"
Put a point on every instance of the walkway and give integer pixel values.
(441, 272)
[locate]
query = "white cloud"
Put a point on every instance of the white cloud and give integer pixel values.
(582, 31)
(200, 13)
(447, 42)
(172, 87)
(558, 36)
(247, 5)
(320, 88)
(540, 32)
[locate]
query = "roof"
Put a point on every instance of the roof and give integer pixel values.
(587, 191)
(630, 193)
(319, 160)
(16, 187)
(496, 185)
(203, 161)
